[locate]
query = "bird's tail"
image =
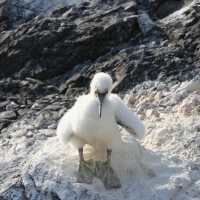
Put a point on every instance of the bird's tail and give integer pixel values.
(64, 129)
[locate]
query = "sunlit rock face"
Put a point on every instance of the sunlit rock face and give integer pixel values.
(50, 51)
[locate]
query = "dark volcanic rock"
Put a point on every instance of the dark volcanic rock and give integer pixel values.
(16, 12)
(169, 7)
(4, 124)
(184, 31)
(51, 46)
(8, 115)
(70, 38)
(3, 104)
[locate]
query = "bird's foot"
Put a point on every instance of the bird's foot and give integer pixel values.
(85, 171)
(107, 175)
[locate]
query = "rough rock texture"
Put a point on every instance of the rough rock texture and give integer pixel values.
(49, 52)
(15, 12)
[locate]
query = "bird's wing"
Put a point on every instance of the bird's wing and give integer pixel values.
(64, 129)
(126, 118)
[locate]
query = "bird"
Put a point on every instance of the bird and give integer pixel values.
(94, 120)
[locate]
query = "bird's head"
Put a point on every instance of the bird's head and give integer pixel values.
(101, 87)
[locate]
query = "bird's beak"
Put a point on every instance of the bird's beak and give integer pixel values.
(101, 97)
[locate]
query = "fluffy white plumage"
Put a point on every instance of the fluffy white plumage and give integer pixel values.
(83, 125)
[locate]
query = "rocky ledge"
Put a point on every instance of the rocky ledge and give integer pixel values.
(50, 51)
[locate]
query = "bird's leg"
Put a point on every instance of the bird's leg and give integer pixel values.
(108, 155)
(106, 174)
(80, 152)
(85, 169)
